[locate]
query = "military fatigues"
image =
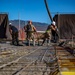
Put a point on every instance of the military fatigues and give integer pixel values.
(47, 35)
(30, 29)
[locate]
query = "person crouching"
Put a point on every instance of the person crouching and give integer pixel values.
(14, 32)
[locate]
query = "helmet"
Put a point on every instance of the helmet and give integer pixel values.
(10, 23)
(53, 23)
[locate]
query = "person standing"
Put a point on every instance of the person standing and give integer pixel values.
(30, 30)
(54, 31)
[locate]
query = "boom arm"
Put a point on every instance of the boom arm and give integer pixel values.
(48, 10)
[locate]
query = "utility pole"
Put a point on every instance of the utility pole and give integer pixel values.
(19, 20)
(19, 23)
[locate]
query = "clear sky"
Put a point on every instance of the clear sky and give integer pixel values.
(35, 9)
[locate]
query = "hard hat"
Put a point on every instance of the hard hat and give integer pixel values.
(53, 23)
(10, 23)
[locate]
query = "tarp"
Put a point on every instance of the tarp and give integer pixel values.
(66, 25)
(4, 27)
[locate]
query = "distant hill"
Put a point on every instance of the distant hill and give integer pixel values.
(38, 25)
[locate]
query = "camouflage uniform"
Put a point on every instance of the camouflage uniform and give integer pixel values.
(30, 29)
(47, 35)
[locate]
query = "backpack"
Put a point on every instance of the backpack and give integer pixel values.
(30, 28)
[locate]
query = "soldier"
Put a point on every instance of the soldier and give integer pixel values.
(47, 35)
(30, 29)
(51, 33)
(14, 32)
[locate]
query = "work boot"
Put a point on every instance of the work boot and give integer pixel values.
(19, 44)
(28, 42)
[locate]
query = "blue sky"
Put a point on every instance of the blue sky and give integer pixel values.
(35, 9)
